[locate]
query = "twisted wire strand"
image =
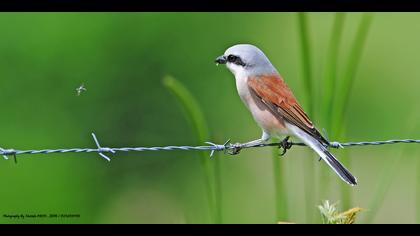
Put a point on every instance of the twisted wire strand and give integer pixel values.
(210, 147)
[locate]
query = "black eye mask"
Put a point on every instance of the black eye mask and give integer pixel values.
(235, 60)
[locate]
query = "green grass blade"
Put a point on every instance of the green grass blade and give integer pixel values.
(199, 125)
(345, 189)
(331, 68)
(418, 193)
(309, 180)
(306, 60)
(279, 187)
(191, 107)
(344, 91)
(218, 189)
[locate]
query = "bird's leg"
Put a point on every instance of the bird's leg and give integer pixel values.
(237, 147)
(285, 145)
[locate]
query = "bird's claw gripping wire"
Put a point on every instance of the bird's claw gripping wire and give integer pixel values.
(227, 147)
(285, 145)
(101, 150)
(232, 149)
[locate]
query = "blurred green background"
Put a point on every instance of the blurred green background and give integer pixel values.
(122, 59)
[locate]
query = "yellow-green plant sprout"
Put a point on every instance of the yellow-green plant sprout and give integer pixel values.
(330, 214)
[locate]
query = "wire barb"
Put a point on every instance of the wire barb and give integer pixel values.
(8, 152)
(216, 147)
(101, 150)
(3, 154)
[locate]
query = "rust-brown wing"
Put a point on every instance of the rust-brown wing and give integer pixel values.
(274, 92)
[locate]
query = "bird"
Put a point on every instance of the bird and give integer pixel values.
(274, 106)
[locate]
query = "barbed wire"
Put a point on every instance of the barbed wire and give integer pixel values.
(212, 147)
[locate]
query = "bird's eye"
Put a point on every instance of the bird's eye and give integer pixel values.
(232, 58)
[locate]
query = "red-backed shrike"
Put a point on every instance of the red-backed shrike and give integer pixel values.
(273, 105)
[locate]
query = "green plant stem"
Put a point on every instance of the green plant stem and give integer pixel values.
(344, 91)
(218, 189)
(309, 180)
(309, 185)
(331, 67)
(345, 189)
(418, 193)
(279, 187)
(199, 125)
(306, 60)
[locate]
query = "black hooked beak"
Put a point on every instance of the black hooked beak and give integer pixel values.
(221, 60)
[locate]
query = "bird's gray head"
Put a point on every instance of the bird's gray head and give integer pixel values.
(246, 60)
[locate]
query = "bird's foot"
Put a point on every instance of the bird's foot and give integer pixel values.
(285, 145)
(234, 149)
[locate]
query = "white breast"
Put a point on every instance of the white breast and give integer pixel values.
(243, 90)
(265, 119)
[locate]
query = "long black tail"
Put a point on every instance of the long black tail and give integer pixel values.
(339, 168)
(323, 152)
